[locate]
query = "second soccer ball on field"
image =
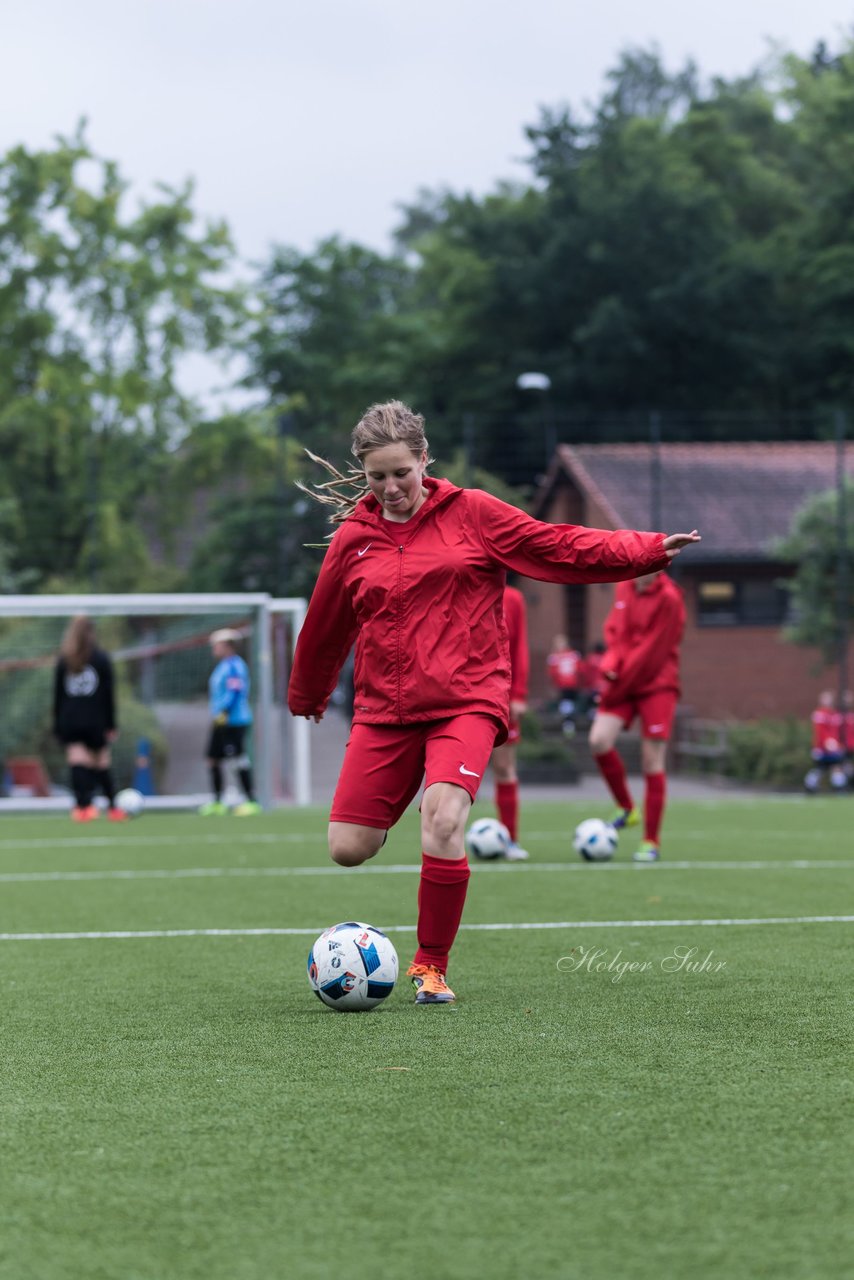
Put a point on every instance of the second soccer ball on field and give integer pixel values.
(487, 839)
(595, 840)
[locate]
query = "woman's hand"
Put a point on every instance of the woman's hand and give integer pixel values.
(674, 543)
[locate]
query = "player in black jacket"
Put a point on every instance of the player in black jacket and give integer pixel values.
(84, 718)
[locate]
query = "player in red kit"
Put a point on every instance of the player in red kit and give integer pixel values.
(414, 576)
(563, 667)
(503, 758)
(641, 669)
(828, 746)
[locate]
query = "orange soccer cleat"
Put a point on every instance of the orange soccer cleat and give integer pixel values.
(430, 985)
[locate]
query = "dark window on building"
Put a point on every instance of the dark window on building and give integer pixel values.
(717, 604)
(741, 602)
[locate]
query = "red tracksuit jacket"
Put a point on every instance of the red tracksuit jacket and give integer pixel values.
(517, 641)
(423, 601)
(828, 730)
(642, 632)
(564, 670)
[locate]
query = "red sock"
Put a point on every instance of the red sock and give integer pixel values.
(507, 804)
(441, 898)
(614, 772)
(653, 805)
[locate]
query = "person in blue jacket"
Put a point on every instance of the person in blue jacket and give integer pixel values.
(231, 717)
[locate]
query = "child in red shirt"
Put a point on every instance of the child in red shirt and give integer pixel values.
(563, 668)
(828, 746)
(563, 665)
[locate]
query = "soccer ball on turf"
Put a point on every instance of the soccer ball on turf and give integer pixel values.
(352, 967)
(595, 840)
(487, 838)
(130, 802)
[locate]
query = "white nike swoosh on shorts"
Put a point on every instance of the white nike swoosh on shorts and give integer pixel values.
(364, 549)
(468, 772)
(654, 728)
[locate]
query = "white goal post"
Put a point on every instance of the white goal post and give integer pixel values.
(294, 608)
(160, 640)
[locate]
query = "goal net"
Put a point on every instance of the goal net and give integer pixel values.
(162, 661)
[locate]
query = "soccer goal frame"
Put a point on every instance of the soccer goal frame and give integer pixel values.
(258, 606)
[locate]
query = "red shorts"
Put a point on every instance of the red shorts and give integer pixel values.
(384, 765)
(514, 731)
(656, 711)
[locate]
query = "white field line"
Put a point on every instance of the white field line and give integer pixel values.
(410, 928)
(154, 841)
(405, 868)
(160, 842)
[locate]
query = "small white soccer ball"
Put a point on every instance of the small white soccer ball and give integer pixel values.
(595, 840)
(487, 838)
(131, 802)
(352, 967)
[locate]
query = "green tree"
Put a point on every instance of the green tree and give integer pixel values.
(98, 304)
(12, 582)
(474, 320)
(825, 564)
(819, 95)
(258, 543)
(327, 338)
(261, 529)
(661, 267)
(680, 246)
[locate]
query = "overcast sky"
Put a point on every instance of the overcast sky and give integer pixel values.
(299, 120)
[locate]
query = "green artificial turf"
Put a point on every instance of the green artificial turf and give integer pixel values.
(185, 1107)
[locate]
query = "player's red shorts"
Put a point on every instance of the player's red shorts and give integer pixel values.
(514, 731)
(385, 764)
(656, 711)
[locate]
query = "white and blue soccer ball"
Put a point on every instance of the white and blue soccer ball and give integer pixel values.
(131, 802)
(487, 838)
(595, 840)
(352, 967)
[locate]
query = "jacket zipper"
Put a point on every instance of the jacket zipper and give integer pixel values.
(399, 632)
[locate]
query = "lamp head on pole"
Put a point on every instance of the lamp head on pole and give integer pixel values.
(534, 382)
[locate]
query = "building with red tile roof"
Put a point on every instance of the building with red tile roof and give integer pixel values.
(742, 498)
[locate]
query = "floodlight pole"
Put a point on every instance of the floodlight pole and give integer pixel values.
(842, 587)
(468, 448)
(655, 470)
(535, 381)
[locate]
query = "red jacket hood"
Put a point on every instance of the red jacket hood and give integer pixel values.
(368, 510)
